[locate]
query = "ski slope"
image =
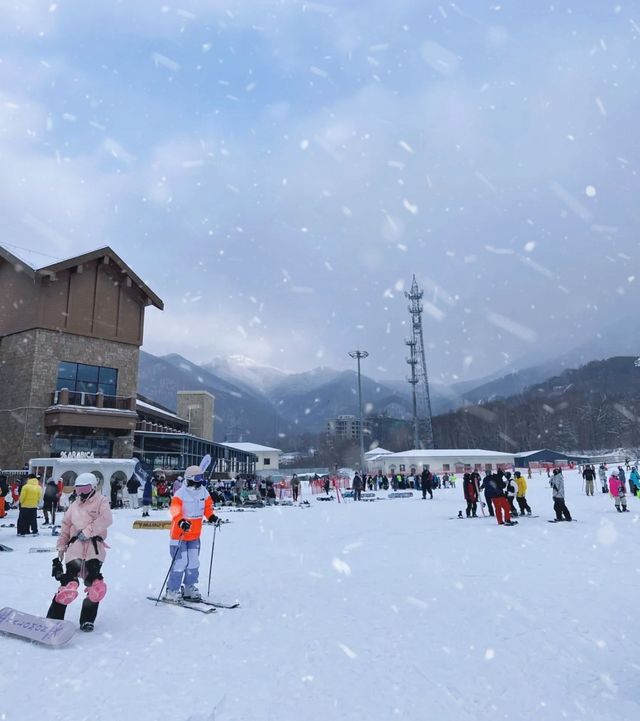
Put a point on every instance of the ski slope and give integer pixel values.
(353, 611)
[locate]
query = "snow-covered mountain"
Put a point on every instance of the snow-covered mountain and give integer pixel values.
(239, 369)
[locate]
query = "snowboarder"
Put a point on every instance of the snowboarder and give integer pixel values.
(50, 503)
(589, 475)
(189, 505)
(521, 495)
(602, 475)
(510, 491)
(82, 545)
(30, 496)
(470, 495)
(495, 491)
(559, 506)
(617, 490)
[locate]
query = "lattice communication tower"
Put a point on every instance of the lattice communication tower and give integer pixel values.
(422, 422)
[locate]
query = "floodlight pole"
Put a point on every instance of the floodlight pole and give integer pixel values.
(359, 355)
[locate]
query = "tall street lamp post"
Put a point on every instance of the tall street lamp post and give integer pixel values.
(359, 355)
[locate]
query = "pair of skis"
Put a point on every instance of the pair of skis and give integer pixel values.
(203, 606)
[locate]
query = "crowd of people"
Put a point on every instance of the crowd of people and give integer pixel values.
(192, 499)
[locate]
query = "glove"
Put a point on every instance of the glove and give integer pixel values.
(184, 525)
(215, 520)
(57, 569)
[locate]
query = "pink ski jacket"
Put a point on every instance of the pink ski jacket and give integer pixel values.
(615, 484)
(93, 518)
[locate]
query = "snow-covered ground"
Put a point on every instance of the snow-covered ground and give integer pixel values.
(353, 611)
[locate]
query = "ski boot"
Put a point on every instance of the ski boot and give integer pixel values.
(172, 596)
(191, 593)
(86, 626)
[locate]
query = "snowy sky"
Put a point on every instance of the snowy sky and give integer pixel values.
(276, 170)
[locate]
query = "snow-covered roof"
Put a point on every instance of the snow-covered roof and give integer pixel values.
(378, 452)
(157, 409)
(448, 453)
(252, 447)
(529, 453)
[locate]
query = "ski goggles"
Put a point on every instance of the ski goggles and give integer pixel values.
(82, 490)
(198, 479)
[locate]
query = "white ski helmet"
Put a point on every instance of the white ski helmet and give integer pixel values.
(86, 479)
(194, 475)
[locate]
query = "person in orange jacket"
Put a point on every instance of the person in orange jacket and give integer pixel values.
(189, 505)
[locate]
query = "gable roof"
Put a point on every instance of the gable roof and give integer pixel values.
(251, 447)
(16, 262)
(105, 252)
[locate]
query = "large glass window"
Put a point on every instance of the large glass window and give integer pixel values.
(87, 378)
(101, 447)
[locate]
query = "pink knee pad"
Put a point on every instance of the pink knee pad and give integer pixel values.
(67, 594)
(96, 591)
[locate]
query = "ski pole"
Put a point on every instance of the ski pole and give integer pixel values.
(173, 560)
(213, 545)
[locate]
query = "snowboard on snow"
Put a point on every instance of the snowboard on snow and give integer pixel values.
(5, 548)
(46, 631)
(152, 525)
(555, 520)
(400, 494)
(43, 549)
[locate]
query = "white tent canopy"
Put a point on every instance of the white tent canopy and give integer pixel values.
(105, 469)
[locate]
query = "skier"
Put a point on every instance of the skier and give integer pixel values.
(602, 475)
(295, 487)
(470, 495)
(617, 490)
(188, 506)
(426, 482)
(510, 491)
(559, 506)
(589, 475)
(327, 485)
(30, 496)
(521, 495)
(82, 544)
(50, 502)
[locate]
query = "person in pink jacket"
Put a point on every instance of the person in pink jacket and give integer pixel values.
(618, 491)
(82, 545)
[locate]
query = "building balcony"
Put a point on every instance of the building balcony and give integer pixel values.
(91, 410)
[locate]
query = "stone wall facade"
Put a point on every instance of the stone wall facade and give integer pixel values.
(197, 408)
(28, 373)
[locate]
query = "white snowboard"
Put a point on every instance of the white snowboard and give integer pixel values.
(47, 631)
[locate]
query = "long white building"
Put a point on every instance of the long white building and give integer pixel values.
(268, 459)
(458, 460)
